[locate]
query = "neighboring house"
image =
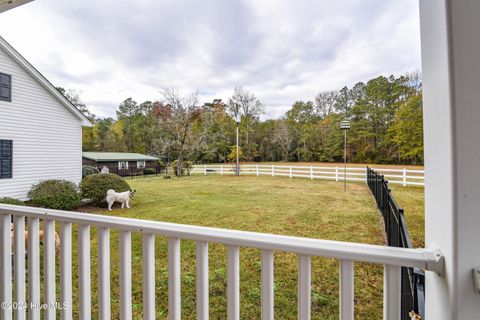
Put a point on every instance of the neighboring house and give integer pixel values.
(120, 161)
(40, 130)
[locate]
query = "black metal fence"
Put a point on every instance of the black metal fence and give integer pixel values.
(136, 172)
(413, 279)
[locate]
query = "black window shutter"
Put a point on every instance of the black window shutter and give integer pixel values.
(6, 159)
(5, 87)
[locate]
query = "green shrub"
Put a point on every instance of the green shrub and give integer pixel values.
(88, 170)
(95, 186)
(55, 194)
(149, 171)
(7, 200)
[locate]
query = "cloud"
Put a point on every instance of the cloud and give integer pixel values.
(282, 50)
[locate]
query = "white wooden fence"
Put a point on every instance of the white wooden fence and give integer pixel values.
(392, 259)
(403, 176)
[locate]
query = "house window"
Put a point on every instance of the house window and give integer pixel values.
(122, 164)
(140, 164)
(6, 157)
(5, 87)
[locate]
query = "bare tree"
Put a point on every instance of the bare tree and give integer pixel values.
(234, 109)
(245, 104)
(176, 112)
(415, 80)
(74, 97)
(325, 102)
(283, 138)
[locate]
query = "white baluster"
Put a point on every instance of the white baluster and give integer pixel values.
(6, 266)
(174, 296)
(346, 290)
(66, 270)
(33, 269)
(267, 285)
(49, 291)
(233, 283)
(392, 294)
(125, 275)
(103, 273)
(84, 289)
(148, 243)
(19, 263)
(202, 280)
(304, 287)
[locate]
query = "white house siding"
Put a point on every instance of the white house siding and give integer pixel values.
(47, 138)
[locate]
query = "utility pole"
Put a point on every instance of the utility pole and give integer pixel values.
(345, 125)
(236, 151)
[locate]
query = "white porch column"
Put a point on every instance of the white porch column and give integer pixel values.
(451, 71)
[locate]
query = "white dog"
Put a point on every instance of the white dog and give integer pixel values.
(122, 197)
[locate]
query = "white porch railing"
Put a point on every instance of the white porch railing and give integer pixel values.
(402, 176)
(348, 253)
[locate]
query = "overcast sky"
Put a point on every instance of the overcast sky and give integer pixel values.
(282, 51)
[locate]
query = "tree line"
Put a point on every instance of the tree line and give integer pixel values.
(385, 114)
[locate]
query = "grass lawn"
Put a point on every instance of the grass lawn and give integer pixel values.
(298, 207)
(411, 199)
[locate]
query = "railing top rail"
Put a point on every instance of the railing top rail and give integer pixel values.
(387, 170)
(397, 207)
(415, 258)
(415, 171)
(406, 234)
(308, 166)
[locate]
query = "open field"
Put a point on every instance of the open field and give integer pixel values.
(318, 209)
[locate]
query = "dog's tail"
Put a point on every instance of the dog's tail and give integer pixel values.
(57, 243)
(110, 192)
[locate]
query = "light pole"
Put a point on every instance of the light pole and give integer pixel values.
(345, 125)
(236, 149)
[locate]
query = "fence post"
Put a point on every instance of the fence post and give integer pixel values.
(221, 169)
(336, 174)
(366, 175)
(404, 177)
(257, 169)
(273, 171)
(311, 172)
(205, 169)
(290, 171)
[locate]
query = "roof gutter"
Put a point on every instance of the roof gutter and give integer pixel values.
(6, 5)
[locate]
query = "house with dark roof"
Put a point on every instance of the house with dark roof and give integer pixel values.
(120, 162)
